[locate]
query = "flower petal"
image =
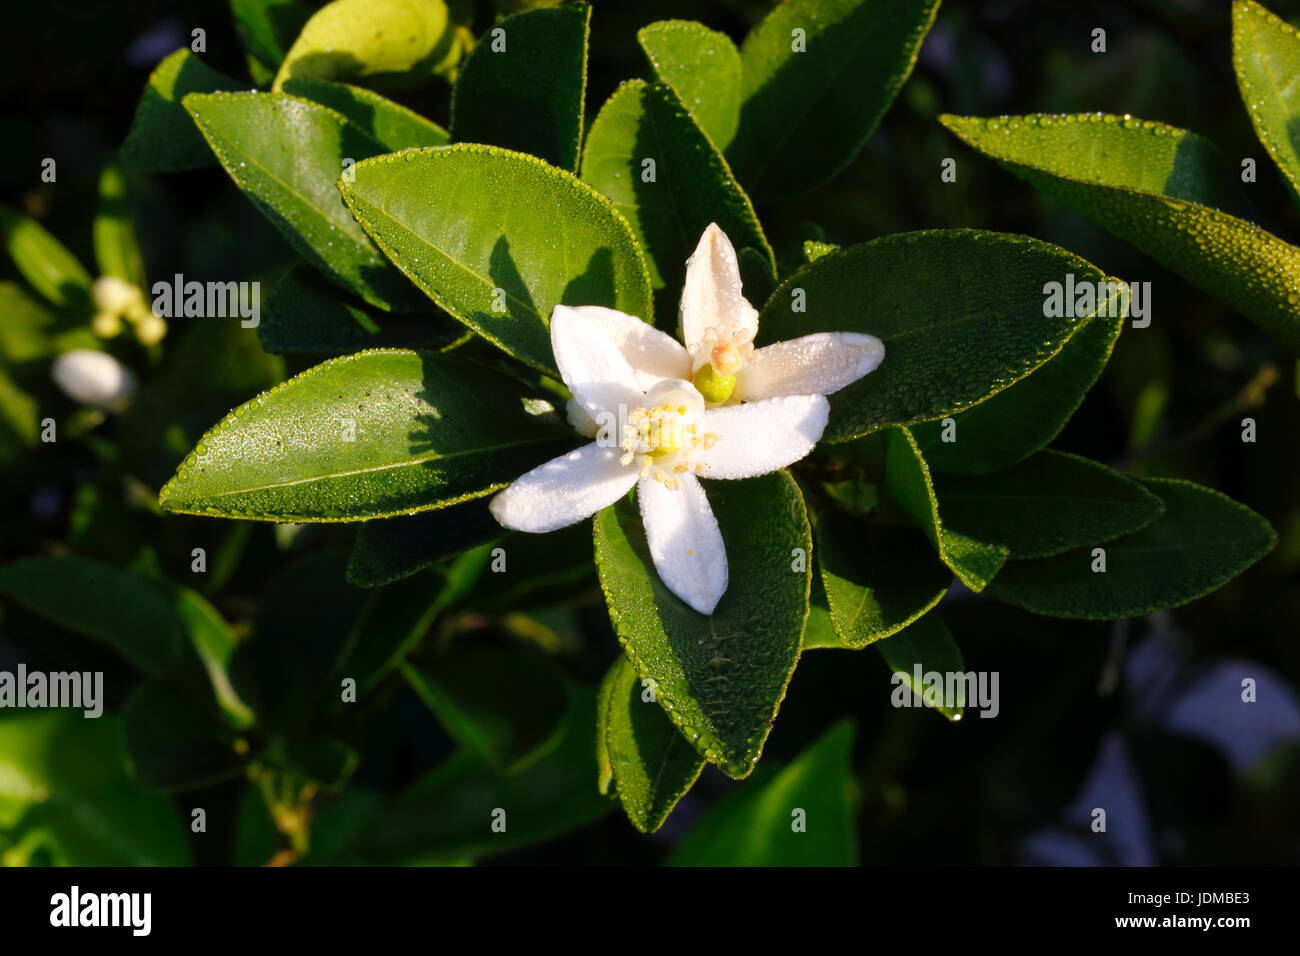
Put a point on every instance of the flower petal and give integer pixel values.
(653, 355)
(815, 364)
(758, 437)
(711, 298)
(564, 490)
(685, 543)
(591, 365)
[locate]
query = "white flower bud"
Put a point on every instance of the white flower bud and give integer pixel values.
(94, 378)
(106, 324)
(115, 295)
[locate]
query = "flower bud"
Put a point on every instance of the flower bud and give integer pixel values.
(94, 378)
(115, 295)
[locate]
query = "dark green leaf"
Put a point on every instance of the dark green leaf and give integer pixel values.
(720, 677)
(390, 125)
(691, 185)
(395, 620)
(163, 137)
(529, 95)
(267, 29)
(1048, 503)
(1022, 419)
(287, 154)
(390, 549)
(478, 229)
(927, 644)
(174, 742)
(369, 435)
(953, 307)
(878, 579)
(807, 111)
(652, 765)
(1202, 540)
(1159, 188)
(45, 262)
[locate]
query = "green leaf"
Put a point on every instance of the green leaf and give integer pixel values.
(806, 113)
(372, 38)
(447, 815)
(928, 645)
(819, 632)
(652, 765)
(529, 95)
(877, 579)
(908, 478)
(65, 777)
(287, 154)
(506, 705)
(45, 262)
(953, 308)
(369, 435)
(267, 28)
(19, 422)
(692, 185)
(163, 137)
(720, 677)
(307, 622)
(174, 742)
(390, 549)
(477, 228)
(1027, 417)
(124, 610)
(1202, 540)
(1159, 188)
(703, 68)
(305, 314)
(390, 125)
(1046, 504)
(28, 329)
(1266, 56)
(754, 826)
(215, 643)
(116, 249)
(395, 620)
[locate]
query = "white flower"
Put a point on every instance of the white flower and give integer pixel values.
(94, 378)
(718, 326)
(653, 431)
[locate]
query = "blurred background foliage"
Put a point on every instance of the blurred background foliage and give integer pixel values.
(1142, 718)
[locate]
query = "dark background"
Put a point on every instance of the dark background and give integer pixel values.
(1142, 718)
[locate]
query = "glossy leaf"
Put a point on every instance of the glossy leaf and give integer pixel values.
(45, 262)
(877, 579)
(267, 29)
(390, 125)
(652, 765)
(1159, 188)
(692, 185)
(478, 229)
(372, 38)
(117, 250)
(754, 826)
(955, 309)
(703, 68)
(1048, 503)
(813, 97)
(506, 706)
(1025, 418)
(1266, 55)
(303, 313)
(1202, 540)
(370, 435)
(720, 677)
(163, 137)
(974, 562)
(928, 645)
(66, 784)
(390, 549)
(523, 86)
(287, 154)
